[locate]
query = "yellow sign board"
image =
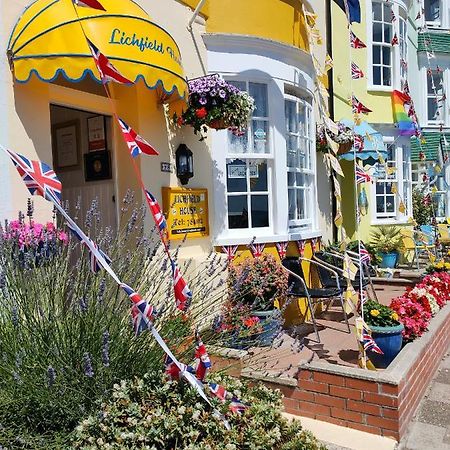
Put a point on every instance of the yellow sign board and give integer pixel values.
(186, 212)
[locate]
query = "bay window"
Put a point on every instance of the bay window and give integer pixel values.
(300, 159)
(392, 186)
(387, 61)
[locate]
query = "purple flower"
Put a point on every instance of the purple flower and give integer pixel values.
(202, 101)
(88, 370)
(222, 93)
(105, 349)
(51, 375)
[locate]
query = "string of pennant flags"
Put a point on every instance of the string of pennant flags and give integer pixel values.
(40, 179)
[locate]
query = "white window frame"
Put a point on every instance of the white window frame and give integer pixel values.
(400, 12)
(244, 234)
(443, 113)
(308, 223)
(398, 178)
(437, 23)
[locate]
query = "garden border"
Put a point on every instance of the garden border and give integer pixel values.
(379, 402)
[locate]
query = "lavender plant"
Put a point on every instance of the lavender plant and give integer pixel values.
(65, 333)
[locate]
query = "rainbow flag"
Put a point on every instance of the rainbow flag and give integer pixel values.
(406, 126)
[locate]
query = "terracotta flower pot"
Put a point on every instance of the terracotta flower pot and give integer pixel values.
(218, 124)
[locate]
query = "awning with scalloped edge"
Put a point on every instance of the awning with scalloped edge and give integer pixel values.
(48, 41)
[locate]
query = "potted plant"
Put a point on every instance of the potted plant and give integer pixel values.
(387, 241)
(344, 138)
(386, 332)
(214, 103)
(254, 285)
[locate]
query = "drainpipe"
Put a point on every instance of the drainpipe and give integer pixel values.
(195, 14)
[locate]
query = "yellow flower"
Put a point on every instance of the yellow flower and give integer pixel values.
(374, 312)
(394, 316)
(440, 265)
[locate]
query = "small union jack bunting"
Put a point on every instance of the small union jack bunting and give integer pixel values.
(155, 209)
(315, 243)
(282, 249)
(358, 107)
(355, 42)
(95, 265)
(39, 178)
(230, 251)
(136, 144)
(358, 143)
(394, 40)
(183, 295)
(142, 312)
(105, 68)
(172, 370)
(218, 391)
(361, 175)
(236, 406)
(257, 249)
(94, 4)
(364, 255)
(202, 359)
(356, 72)
(301, 247)
(368, 342)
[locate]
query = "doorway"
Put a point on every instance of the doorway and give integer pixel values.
(82, 145)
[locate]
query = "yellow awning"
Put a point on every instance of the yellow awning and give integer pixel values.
(48, 41)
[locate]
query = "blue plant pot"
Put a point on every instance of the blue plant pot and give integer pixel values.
(388, 260)
(271, 323)
(390, 340)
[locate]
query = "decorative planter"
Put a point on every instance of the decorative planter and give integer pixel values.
(218, 124)
(388, 260)
(390, 340)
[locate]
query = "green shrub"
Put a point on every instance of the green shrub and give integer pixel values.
(152, 413)
(422, 207)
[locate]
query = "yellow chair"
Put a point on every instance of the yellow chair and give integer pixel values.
(416, 242)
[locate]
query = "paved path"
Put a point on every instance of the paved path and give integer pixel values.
(430, 428)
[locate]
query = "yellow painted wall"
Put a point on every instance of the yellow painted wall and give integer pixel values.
(343, 54)
(279, 20)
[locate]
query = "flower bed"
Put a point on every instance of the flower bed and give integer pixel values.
(419, 304)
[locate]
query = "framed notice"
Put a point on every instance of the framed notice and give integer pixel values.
(66, 141)
(96, 133)
(97, 166)
(186, 212)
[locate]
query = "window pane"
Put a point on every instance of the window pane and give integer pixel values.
(292, 204)
(377, 76)
(301, 179)
(260, 211)
(380, 204)
(237, 176)
(432, 10)
(259, 92)
(260, 137)
(291, 119)
(380, 188)
(302, 151)
(237, 212)
(237, 144)
(376, 10)
(302, 119)
(390, 203)
(386, 56)
(301, 209)
(258, 177)
(387, 33)
(432, 109)
(377, 31)
(376, 54)
(291, 179)
(386, 76)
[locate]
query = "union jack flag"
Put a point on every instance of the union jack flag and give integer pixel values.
(358, 143)
(282, 249)
(105, 68)
(364, 255)
(315, 242)
(172, 370)
(301, 247)
(39, 178)
(230, 250)
(90, 4)
(394, 40)
(183, 295)
(94, 262)
(361, 175)
(368, 342)
(155, 209)
(218, 391)
(202, 357)
(136, 144)
(358, 107)
(142, 312)
(257, 249)
(236, 406)
(355, 42)
(356, 72)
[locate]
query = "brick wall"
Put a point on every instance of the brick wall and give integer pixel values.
(373, 406)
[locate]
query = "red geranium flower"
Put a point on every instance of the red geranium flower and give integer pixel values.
(201, 113)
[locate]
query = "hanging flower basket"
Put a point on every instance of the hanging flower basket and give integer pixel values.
(344, 138)
(214, 103)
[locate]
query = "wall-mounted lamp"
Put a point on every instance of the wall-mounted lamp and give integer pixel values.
(185, 163)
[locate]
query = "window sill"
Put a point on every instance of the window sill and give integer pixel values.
(375, 89)
(390, 222)
(266, 238)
